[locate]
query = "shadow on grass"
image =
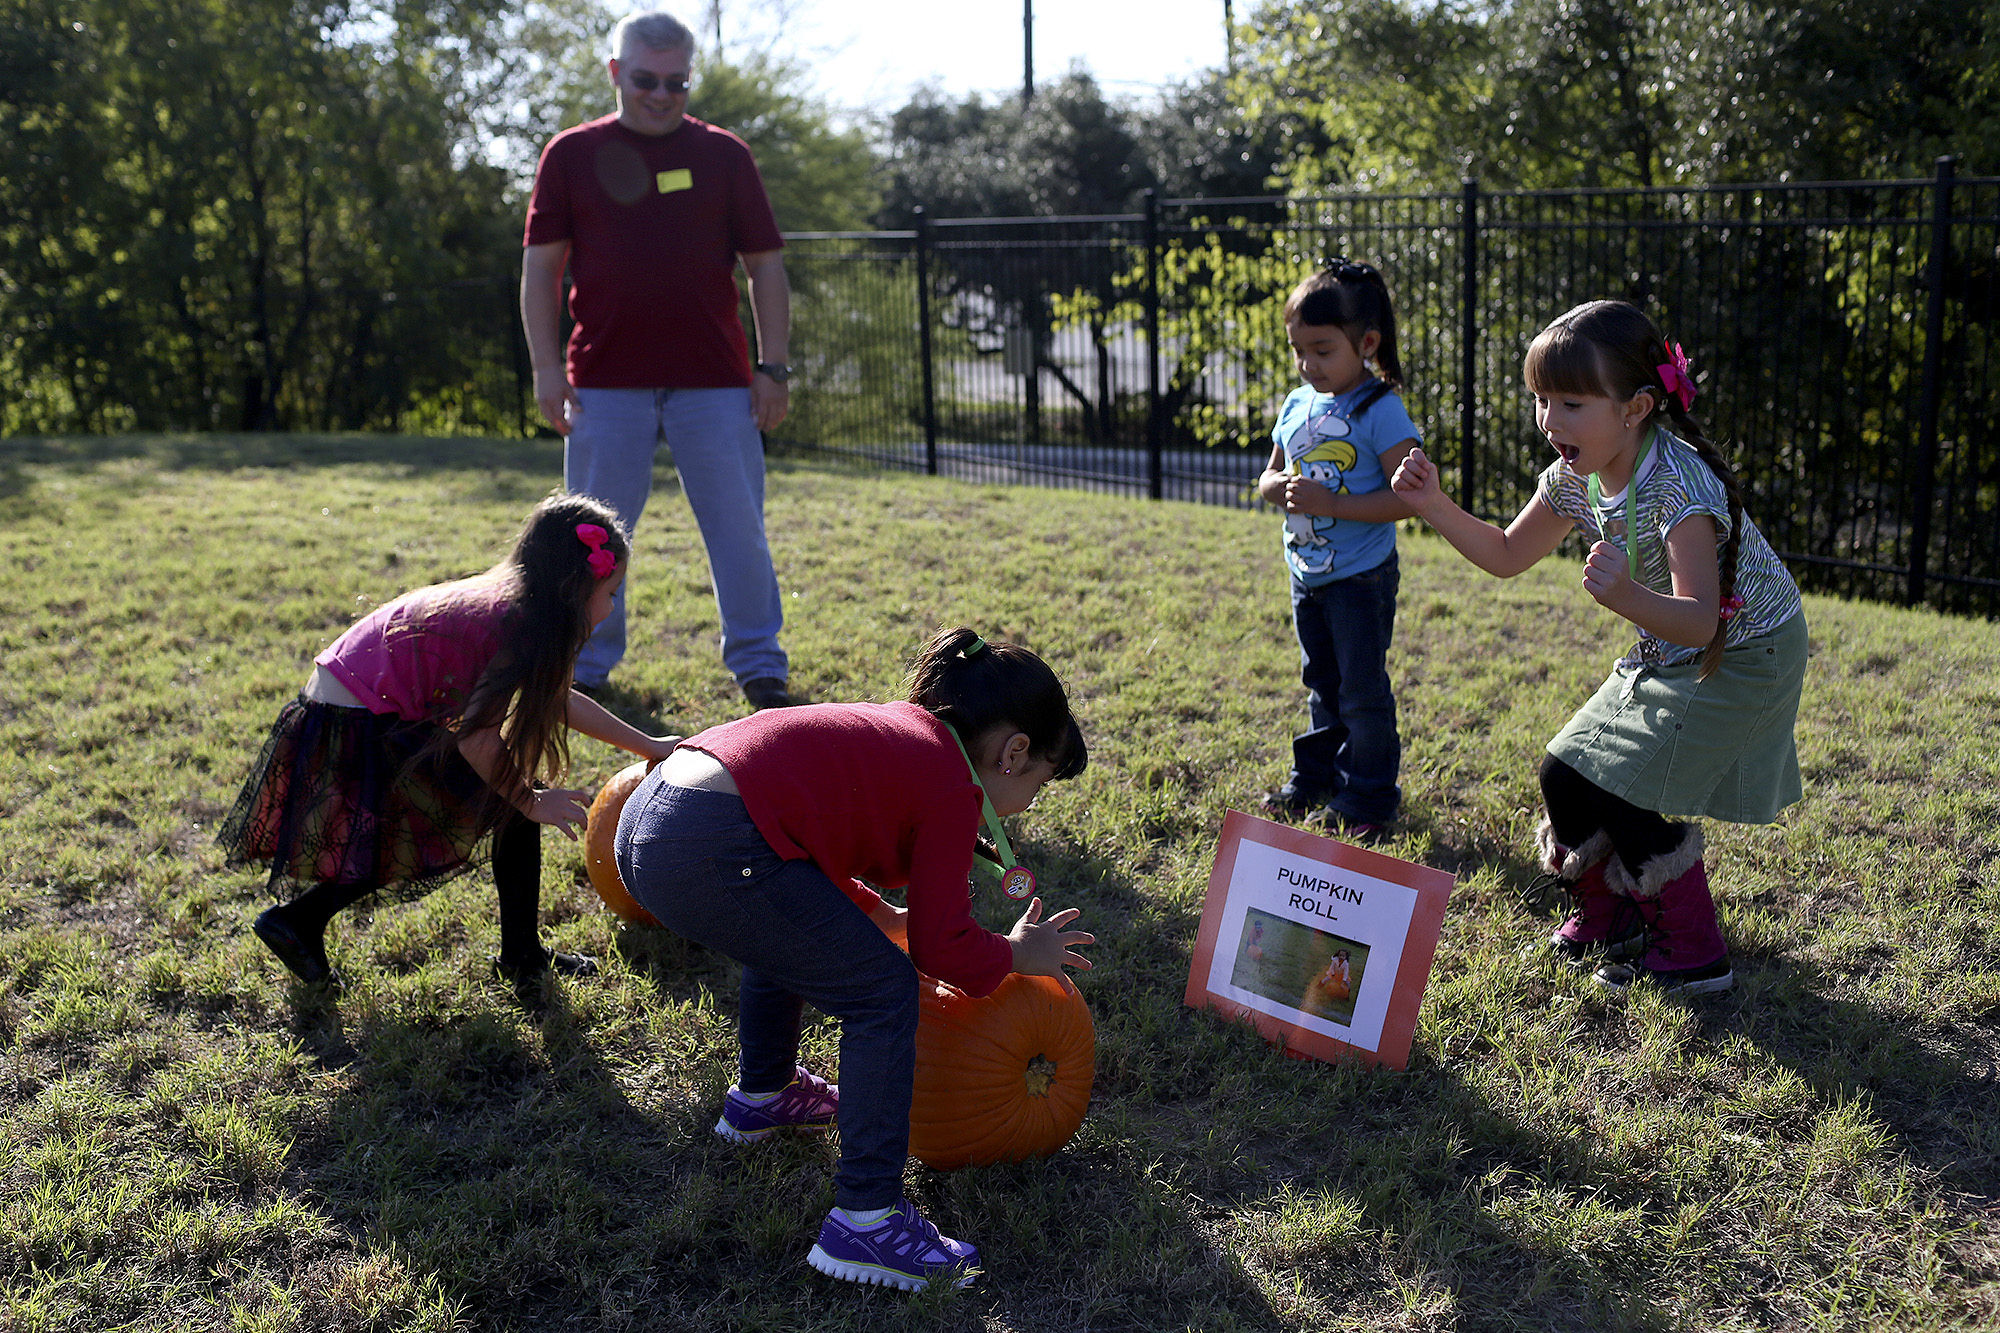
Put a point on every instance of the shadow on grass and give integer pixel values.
(191, 452)
(1524, 1224)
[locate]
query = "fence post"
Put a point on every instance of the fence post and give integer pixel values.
(1155, 481)
(1937, 273)
(924, 339)
(1468, 333)
(524, 379)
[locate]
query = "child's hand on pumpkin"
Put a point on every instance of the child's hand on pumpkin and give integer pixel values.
(1044, 948)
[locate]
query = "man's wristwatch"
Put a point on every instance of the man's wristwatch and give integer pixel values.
(776, 370)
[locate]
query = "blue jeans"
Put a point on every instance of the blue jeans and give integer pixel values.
(720, 457)
(1352, 754)
(695, 861)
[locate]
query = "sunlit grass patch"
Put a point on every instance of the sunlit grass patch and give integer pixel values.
(188, 1139)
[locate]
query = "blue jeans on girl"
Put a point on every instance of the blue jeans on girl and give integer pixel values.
(695, 861)
(1352, 752)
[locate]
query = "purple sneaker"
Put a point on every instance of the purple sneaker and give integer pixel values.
(808, 1102)
(902, 1250)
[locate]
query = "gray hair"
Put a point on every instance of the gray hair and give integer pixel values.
(656, 30)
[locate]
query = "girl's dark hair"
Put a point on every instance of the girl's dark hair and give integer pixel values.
(1610, 349)
(1354, 299)
(547, 582)
(974, 686)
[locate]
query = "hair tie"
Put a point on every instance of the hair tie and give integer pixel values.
(1344, 269)
(601, 561)
(1729, 607)
(1674, 375)
(973, 649)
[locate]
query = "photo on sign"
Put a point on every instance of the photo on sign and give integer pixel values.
(1293, 964)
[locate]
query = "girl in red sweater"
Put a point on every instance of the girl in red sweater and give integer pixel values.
(755, 837)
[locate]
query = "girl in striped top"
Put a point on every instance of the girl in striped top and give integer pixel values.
(1697, 718)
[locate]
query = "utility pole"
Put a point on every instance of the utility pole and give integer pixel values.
(1027, 52)
(1228, 38)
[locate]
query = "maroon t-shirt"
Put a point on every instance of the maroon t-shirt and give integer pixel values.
(876, 792)
(654, 224)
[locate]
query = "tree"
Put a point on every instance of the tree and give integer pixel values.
(1069, 152)
(286, 213)
(1546, 93)
(201, 176)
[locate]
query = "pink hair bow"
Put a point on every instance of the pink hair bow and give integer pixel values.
(601, 561)
(1674, 375)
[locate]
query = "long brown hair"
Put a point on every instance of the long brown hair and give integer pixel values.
(1610, 349)
(547, 582)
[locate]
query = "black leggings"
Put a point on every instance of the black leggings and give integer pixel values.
(1579, 808)
(517, 879)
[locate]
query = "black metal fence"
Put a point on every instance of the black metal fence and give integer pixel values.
(1844, 336)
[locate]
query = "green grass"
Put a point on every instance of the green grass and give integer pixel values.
(187, 1141)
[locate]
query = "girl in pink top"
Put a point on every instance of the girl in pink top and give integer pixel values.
(420, 741)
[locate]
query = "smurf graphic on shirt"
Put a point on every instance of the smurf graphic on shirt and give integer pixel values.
(1321, 450)
(1337, 441)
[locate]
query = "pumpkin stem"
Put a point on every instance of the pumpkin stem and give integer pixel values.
(1041, 1073)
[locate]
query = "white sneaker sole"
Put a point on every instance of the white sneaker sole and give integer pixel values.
(1623, 976)
(876, 1275)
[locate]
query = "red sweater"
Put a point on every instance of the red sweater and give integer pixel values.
(877, 792)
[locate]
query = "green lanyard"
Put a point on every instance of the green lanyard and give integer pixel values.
(1016, 881)
(1633, 553)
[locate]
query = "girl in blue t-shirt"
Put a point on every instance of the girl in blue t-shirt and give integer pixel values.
(1336, 443)
(1697, 718)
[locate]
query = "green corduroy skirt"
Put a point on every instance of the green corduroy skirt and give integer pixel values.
(1720, 748)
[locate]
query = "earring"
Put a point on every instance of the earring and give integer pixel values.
(1008, 771)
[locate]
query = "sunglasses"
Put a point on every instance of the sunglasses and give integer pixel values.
(645, 82)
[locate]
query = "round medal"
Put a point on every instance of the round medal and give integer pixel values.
(1018, 882)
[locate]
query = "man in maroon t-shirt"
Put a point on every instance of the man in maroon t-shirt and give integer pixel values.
(650, 212)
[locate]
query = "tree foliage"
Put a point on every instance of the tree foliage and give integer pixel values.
(1556, 93)
(281, 213)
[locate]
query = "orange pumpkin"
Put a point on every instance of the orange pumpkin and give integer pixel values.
(1000, 1079)
(598, 837)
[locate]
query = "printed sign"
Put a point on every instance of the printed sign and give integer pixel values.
(1323, 947)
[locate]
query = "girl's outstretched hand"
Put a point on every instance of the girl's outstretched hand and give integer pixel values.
(1044, 948)
(1416, 482)
(564, 807)
(657, 748)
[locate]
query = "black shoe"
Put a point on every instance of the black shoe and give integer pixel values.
(539, 964)
(1364, 831)
(1293, 801)
(1708, 979)
(306, 958)
(767, 692)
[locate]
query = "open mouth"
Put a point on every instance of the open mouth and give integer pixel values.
(1568, 452)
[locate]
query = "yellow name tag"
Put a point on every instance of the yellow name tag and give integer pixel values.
(670, 181)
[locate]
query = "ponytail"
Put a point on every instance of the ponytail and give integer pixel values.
(973, 686)
(1688, 429)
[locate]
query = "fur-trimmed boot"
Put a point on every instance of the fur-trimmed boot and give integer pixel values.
(1684, 954)
(1600, 921)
